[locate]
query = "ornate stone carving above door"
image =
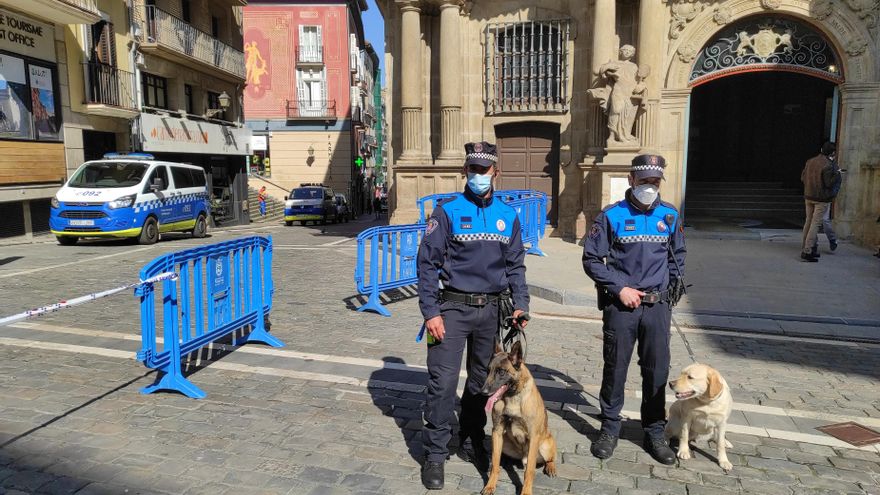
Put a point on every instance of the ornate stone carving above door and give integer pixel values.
(683, 12)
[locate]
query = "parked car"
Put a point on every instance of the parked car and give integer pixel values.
(310, 202)
(343, 211)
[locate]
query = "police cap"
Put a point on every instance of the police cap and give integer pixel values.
(483, 154)
(645, 166)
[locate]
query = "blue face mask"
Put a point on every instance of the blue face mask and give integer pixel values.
(479, 183)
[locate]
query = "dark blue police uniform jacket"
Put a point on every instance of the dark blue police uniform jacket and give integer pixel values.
(476, 244)
(627, 247)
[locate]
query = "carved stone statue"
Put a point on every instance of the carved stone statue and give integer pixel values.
(621, 97)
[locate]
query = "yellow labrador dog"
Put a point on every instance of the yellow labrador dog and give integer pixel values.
(702, 407)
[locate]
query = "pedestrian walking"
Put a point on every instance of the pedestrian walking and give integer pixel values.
(377, 206)
(472, 253)
(827, 227)
(635, 252)
(261, 197)
(819, 177)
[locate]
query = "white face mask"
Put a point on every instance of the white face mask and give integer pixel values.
(646, 193)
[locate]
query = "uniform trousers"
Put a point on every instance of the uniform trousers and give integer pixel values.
(647, 325)
(466, 326)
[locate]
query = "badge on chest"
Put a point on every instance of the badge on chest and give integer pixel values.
(629, 225)
(466, 223)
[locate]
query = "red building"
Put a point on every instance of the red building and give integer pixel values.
(302, 61)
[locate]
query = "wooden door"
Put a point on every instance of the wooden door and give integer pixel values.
(529, 156)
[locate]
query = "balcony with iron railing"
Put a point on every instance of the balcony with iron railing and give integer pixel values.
(309, 55)
(109, 91)
(58, 11)
(311, 110)
(175, 38)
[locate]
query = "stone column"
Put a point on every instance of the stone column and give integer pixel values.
(604, 34)
(858, 203)
(652, 36)
(450, 81)
(603, 50)
(653, 22)
(411, 80)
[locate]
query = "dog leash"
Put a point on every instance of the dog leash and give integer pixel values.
(687, 345)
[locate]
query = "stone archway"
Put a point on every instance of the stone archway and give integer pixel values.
(846, 30)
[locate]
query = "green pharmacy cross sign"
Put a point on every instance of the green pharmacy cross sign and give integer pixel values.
(359, 162)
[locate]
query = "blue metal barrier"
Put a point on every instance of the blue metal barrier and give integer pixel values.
(431, 200)
(393, 249)
(392, 261)
(235, 293)
(532, 219)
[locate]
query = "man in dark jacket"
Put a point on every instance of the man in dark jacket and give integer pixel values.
(819, 177)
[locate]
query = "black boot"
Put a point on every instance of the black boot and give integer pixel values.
(476, 454)
(603, 447)
(432, 475)
(659, 450)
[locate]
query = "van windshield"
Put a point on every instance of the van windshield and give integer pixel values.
(308, 193)
(109, 174)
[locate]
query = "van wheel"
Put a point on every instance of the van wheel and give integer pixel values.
(288, 222)
(201, 228)
(150, 232)
(67, 240)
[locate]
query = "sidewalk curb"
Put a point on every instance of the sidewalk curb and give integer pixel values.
(855, 329)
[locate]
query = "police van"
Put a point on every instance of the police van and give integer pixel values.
(310, 202)
(130, 195)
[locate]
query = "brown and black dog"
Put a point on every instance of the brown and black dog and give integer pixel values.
(519, 418)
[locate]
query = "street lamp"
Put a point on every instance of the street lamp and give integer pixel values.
(224, 101)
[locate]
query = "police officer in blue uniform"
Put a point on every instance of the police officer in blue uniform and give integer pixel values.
(472, 252)
(635, 252)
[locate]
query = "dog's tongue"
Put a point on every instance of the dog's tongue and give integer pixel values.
(494, 398)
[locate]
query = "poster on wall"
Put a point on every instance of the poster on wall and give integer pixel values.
(43, 102)
(15, 118)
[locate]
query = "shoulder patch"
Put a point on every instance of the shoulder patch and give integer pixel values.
(432, 226)
(594, 231)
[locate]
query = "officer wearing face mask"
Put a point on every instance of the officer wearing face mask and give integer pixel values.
(634, 252)
(472, 251)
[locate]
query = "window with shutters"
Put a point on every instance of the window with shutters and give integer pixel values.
(102, 43)
(311, 88)
(310, 49)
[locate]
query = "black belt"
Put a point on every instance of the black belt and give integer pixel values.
(470, 299)
(655, 296)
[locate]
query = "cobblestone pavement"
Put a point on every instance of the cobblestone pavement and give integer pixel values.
(338, 410)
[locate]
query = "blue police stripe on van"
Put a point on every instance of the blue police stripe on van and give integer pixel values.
(168, 201)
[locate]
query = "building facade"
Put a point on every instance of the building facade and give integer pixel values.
(39, 61)
(736, 94)
(309, 95)
(190, 69)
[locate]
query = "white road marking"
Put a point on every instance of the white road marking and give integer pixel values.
(404, 387)
(727, 333)
(379, 364)
(334, 243)
(88, 260)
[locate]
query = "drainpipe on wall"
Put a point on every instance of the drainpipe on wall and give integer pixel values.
(136, 30)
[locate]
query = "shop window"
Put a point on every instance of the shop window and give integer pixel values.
(155, 90)
(29, 107)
